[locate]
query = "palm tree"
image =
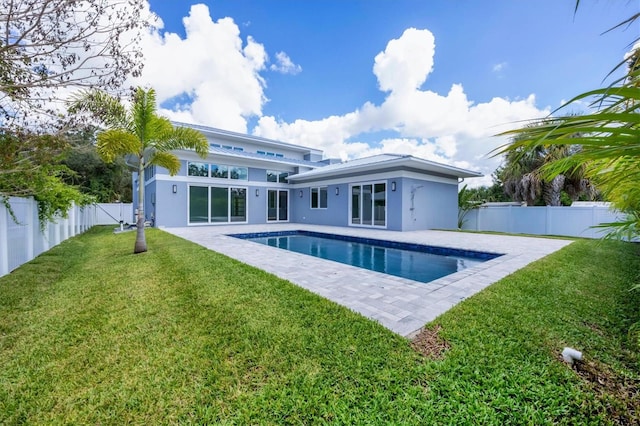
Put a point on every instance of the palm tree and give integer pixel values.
(141, 136)
(524, 178)
(609, 140)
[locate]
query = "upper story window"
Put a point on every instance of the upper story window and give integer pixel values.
(231, 147)
(241, 173)
(218, 171)
(271, 154)
(149, 172)
(319, 197)
(277, 176)
(198, 169)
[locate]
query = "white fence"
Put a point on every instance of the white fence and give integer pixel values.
(565, 221)
(22, 241)
(113, 213)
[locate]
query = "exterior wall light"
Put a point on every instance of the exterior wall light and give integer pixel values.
(393, 185)
(257, 192)
(337, 190)
(300, 193)
(174, 189)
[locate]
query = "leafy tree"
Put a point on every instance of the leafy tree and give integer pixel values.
(29, 166)
(140, 134)
(106, 182)
(48, 45)
(609, 137)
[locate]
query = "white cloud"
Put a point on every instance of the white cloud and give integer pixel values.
(446, 128)
(406, 62)
(222, 74)
(499, 67)
(285, 65)
(213, 65)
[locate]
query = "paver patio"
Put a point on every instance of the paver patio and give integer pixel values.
(401, 305)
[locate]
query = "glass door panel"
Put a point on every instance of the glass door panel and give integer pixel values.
(198, 210)
(272, 205)
(219, 205)
(238, 205)
(355, 205)
(379, 204)
(283, 205)
(277, 205)
(367, 205)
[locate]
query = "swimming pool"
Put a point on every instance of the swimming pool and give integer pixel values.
(412, 261)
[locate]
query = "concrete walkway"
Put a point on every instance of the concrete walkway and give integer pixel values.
(401, 305)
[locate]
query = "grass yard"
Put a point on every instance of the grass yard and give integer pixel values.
(92, 334)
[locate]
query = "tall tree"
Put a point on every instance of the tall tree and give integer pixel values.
(609, 138)
(30, 167)
(524, 179)
(48, 45)
(107, 183)
(140, 134)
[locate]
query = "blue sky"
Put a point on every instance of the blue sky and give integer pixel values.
(435, 79)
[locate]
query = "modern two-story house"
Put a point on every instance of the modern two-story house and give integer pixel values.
(247, 179)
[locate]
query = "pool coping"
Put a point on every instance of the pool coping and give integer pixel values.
(403, 306)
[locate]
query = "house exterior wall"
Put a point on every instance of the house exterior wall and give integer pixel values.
(415, 203)
(336, 213)
(429, 205)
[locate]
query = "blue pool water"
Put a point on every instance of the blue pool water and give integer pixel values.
(413, 261)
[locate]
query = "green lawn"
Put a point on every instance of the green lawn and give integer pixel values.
(92, 334)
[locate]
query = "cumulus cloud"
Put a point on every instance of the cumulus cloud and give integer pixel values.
(447, 128)
(285, 65)
(213, 65)
(406, 62)
(214, 77)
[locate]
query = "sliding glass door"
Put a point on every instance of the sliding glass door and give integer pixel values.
(212, 204)
(369, 204)
(277, 205)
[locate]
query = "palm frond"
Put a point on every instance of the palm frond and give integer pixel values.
(167, 160)
(143, 112)
(115, 143)
(103, 107)
(186, 138)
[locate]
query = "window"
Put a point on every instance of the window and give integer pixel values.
(240, 173)
(149, 172)
(198, 169)
(277, 176)
(270, 154)
(230, 147)
(319, 198)
(219, 171)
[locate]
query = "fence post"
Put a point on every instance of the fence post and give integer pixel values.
(30, 227)
(4, 243)
(72, 220)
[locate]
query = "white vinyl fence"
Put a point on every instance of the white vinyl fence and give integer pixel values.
(113, 213)
(22, 241)
(564, 221)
